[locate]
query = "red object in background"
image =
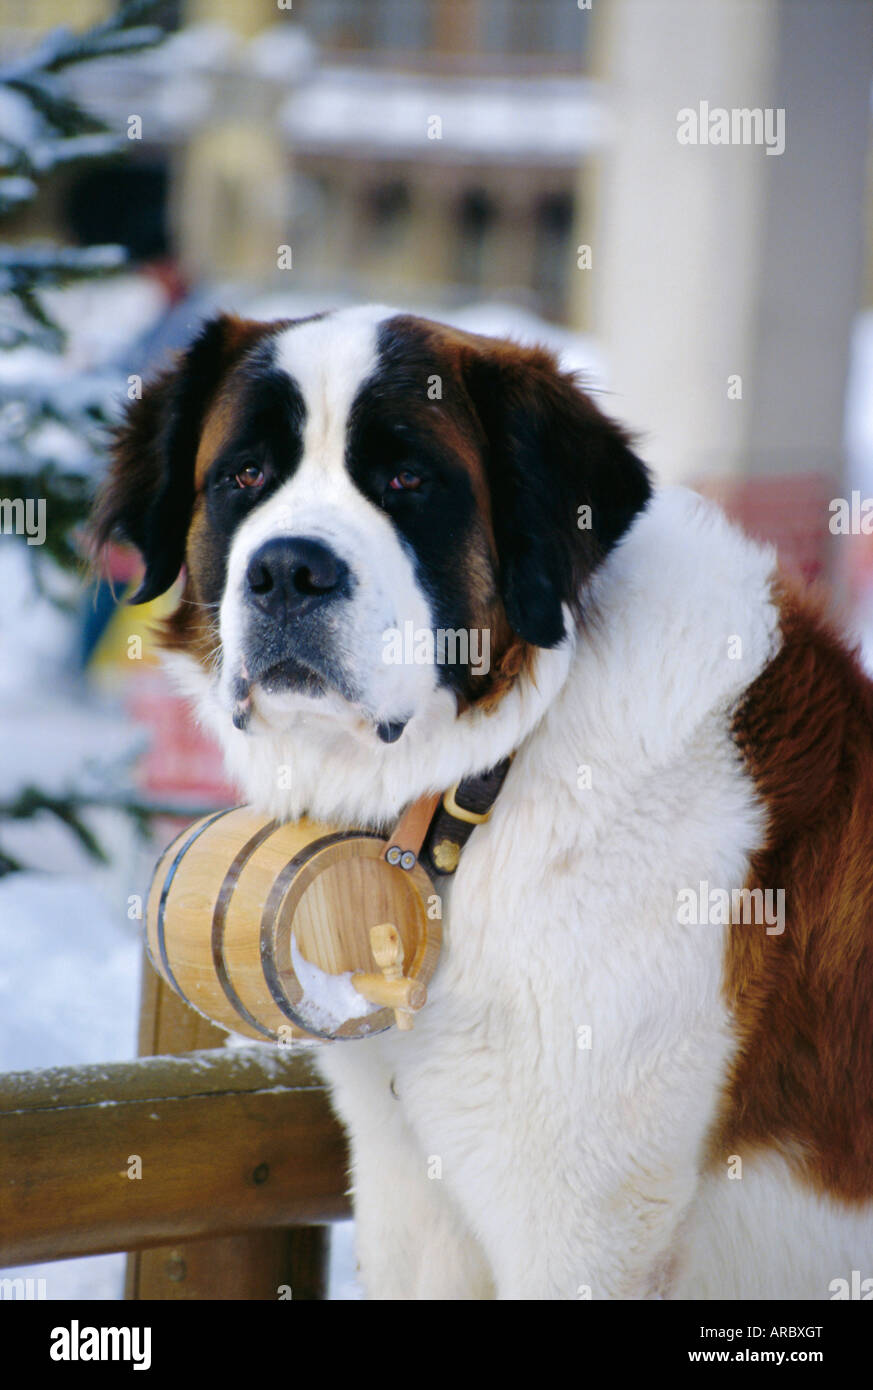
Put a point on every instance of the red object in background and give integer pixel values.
(788, 510)
(169, 276)
(182, 763)
(120, 564)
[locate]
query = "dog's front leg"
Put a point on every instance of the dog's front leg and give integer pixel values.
(588, 1193)
(411, 1239)
(617, 1240)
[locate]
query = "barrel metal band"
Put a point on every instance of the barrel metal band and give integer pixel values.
(165, 893)
(269, 917)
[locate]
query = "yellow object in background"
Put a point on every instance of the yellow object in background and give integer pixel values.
(129, 638)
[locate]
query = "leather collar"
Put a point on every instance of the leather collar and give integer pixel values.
(436, 828)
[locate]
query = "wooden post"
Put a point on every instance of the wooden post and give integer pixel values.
(252, 1266)
(258, 1265)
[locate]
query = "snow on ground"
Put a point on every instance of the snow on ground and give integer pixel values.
(102, 1276)
(69, 968)
(98, 1277)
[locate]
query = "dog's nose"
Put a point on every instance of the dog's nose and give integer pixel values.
(293, 573)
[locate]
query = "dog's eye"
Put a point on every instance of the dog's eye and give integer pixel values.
(250, 476)
(406, 481)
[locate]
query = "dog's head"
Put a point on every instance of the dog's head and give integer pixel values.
(373, 512)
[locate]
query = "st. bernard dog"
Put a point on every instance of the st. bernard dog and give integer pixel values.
(632, 1079)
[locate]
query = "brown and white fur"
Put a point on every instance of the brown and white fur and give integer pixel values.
(600, 1098)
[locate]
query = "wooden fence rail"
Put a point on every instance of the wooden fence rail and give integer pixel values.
(226, 1141)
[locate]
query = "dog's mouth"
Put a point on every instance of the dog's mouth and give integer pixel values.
(289, 675)
(302, 668)
(285, 676)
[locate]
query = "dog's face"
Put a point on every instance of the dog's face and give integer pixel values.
(373, 511)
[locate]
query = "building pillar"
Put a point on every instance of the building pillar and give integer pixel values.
(231, 199)
(725, 279)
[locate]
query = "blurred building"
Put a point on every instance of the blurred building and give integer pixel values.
(398, 147)
(469, 122)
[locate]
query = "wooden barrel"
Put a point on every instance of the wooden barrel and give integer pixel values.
(265, 928)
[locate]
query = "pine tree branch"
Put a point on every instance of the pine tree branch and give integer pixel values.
(69, 131)
(32, 801)
(125, 31)
(49, 100)
(26, 269)
(9, 864)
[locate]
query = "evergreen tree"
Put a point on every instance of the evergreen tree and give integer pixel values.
(53, 428)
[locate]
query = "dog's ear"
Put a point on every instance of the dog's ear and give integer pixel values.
(565, 483)
(148, 494)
